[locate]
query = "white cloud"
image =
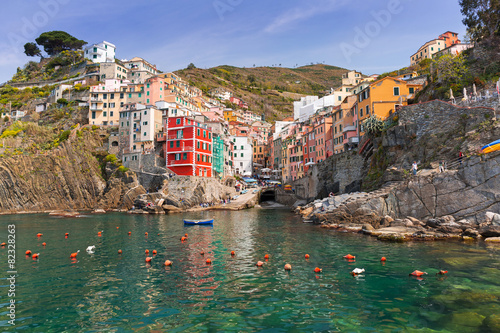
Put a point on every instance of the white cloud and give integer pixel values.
(302, 13)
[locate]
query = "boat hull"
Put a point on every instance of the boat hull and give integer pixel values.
(199, 222)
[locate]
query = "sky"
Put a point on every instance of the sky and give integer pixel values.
(371, 36)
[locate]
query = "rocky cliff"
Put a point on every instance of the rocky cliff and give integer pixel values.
(66, 177)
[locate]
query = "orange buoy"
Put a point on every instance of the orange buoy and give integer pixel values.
(35, 255)
(66, 234)
(349, 257)
(130, 233)
(209, 261)
(168, 263)
(154, 252)
(259, 263)
(146, 233)
(202, 253)
(28, 252)
(147, 251)
(99, 234)
(307, 256)
(44, 243)
(383, 259)
(39, 234)
(288, 267)
(117, 227)
(3, 244)
(183, 238)
(148, 259)
(266, 256)
(442, 272)
(119, 251)
(232, 253)
(185, 235)
(318, 270)
(73, 255)
(417, 273)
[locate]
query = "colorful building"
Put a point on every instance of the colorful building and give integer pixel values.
(188, 147)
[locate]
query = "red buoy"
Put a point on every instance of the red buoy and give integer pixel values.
(417, 273)
(259, 263)
(202, 253)
(442, 272)
(66, 234)
(168, 263)
(209, 261)
(266, 256)
(28, 252)
(154, 252)
(307, 256)
(383, 259)
(3, 244)
(147, 251)
(146, 233)
(232, 253)
(39, 234)
(148, 259)
(349, 257)
(288, 267)
(119, 251)
(73, 255)
(183, 238)
(35, 255)
(44, 243)
(318, 270)
(130, 233)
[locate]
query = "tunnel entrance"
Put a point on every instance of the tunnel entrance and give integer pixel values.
(268, 195)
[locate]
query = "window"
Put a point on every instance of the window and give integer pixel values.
(178, 121)
(179, 134)
(111, 113)
(396, 91)
(121, 95)
(147, 101)
(147, 93)
(198, 157)
(177, 157)
(129, 95)
(367, 110)
(104, 114)
(204, 134)
(242, 148)
(177, 144)
(95, 56)
(145, 134)
(209, 135)
(111, 105)
(184, 156)
(171, 144)
(104, 96)
(241, 154)
(412, 90)
(111, 96)
(93, 114)
(144, 123)
(198, 144)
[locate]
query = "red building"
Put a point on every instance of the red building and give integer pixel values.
(188, 147)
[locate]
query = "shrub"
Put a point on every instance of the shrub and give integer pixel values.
(111, 158)
(122, 169)
(64, 135)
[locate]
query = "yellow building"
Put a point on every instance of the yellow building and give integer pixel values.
(427, 50)
(384, 96)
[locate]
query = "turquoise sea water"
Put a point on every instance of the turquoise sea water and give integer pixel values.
(108, 292)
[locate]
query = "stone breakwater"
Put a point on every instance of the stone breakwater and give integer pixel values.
(458, 204)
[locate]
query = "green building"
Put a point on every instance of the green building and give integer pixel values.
(218, 156)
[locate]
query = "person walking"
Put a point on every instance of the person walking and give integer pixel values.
(414, 168)
(460, 156)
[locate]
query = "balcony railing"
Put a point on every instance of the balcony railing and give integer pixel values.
(95, 108)
(349, 129)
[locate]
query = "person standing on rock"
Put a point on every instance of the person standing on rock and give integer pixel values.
(460, 156)
(441, 166)
(414, 168)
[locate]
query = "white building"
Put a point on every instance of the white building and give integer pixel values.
(102, 52)
(139, 70)
(242, 155)
(138, 125)
(170, 109)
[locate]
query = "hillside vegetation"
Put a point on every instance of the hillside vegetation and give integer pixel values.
(267, 90)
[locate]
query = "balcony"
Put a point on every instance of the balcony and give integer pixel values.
(161, 137)
(349, 129)
(354, 139)
(96, 99)
(95, 108)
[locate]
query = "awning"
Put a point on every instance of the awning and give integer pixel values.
(310, 163)
(265, 170)
(249, 180)
(276, 171)
(247, 173)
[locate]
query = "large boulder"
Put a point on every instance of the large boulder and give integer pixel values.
(490, 231)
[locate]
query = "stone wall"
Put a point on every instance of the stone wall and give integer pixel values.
(340, 173)
(438, 117)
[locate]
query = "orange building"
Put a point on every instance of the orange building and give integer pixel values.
(384, 96)
(450, 38)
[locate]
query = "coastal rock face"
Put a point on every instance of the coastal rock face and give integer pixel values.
(66, 178)
(464, 202)
(183, 191)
